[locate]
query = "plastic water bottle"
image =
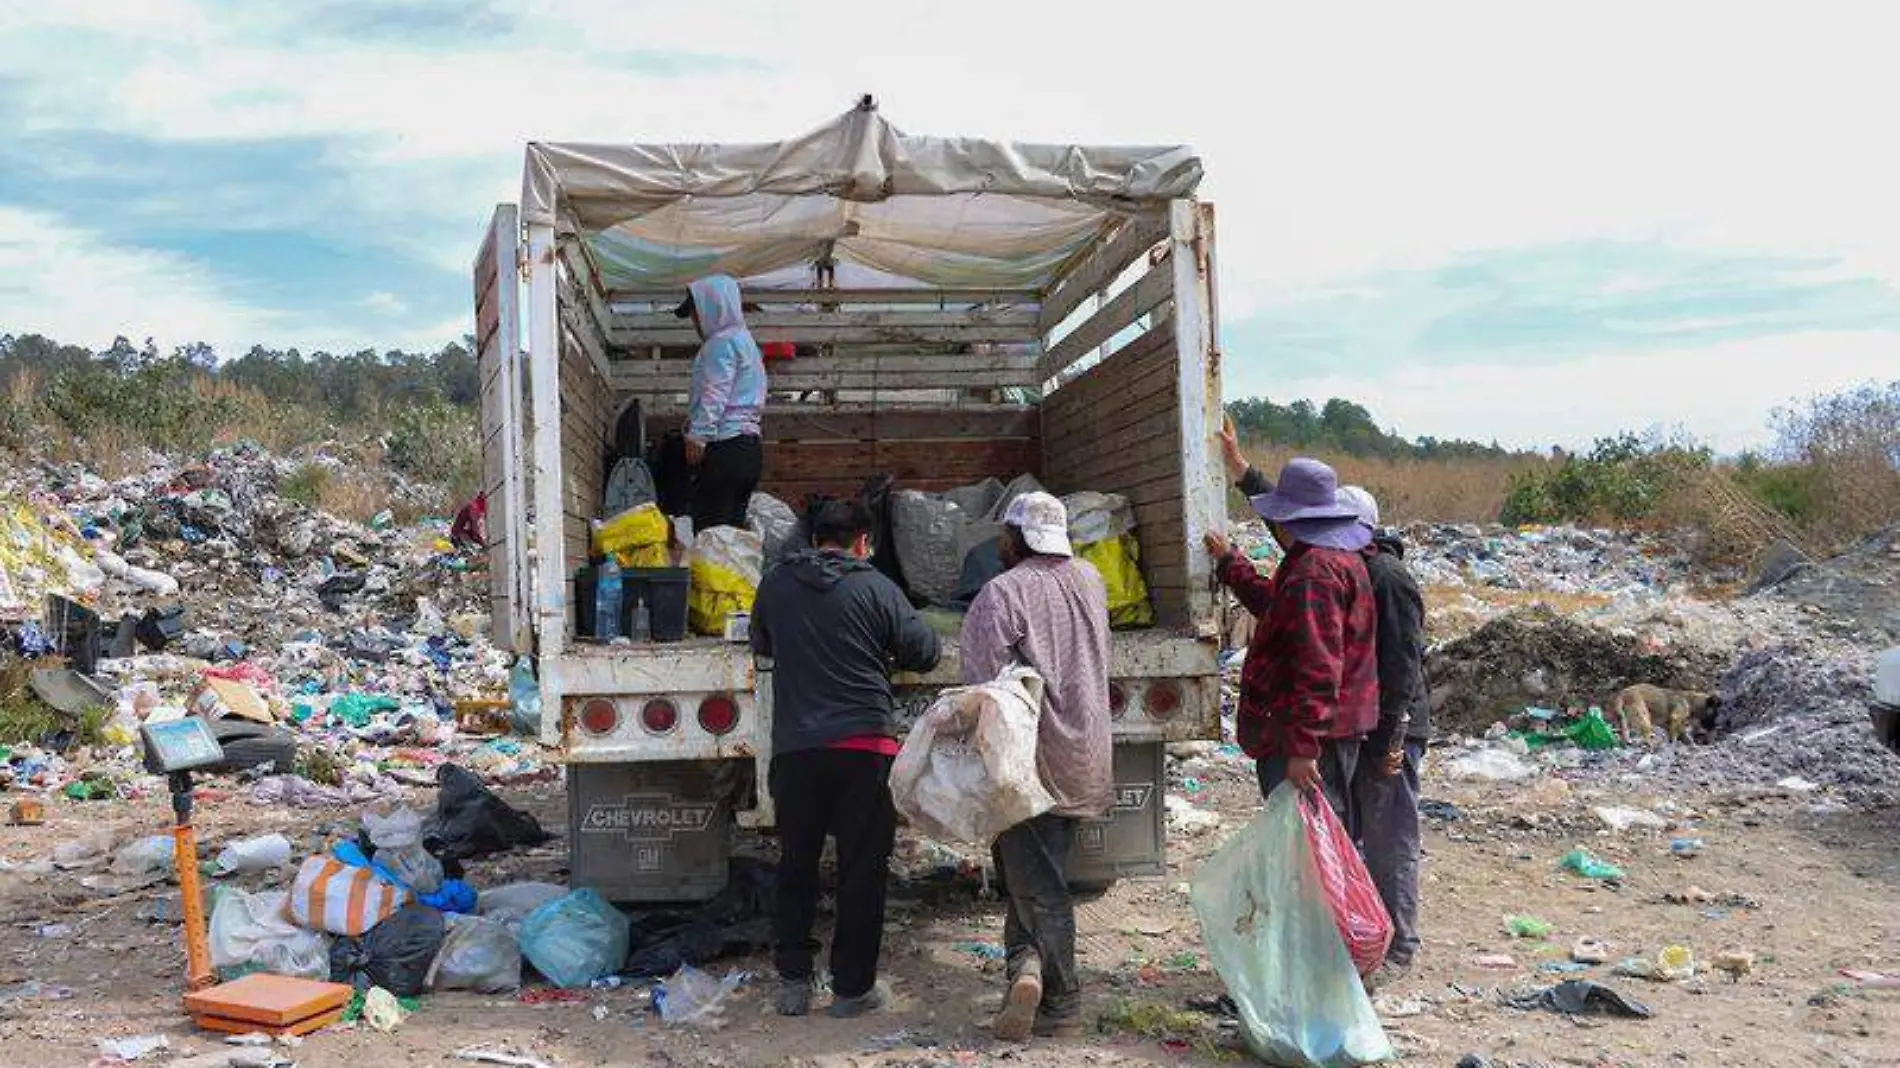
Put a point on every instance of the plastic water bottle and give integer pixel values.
(526, 695)
(642, 629)
(607, 600)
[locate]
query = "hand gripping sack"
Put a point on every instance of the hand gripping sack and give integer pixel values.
(967, 771)
(1269, 926)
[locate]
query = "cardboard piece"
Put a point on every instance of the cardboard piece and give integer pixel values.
(275, 1004)
(216, 699)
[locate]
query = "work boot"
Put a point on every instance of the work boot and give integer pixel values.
(1068, 1025)
(843, 1008)
(1018, 1018)
(793, 998)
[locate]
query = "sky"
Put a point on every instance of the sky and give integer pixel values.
(1528, 223)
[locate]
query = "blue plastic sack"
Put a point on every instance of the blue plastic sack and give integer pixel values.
(1271, 935)
(576, 939)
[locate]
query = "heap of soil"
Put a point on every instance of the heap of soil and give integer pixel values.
(1535, 657)
(1859, 588)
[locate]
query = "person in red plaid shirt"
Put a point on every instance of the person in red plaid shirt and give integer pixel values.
(1309, 690)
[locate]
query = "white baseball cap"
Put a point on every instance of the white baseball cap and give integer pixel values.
(1043, 521)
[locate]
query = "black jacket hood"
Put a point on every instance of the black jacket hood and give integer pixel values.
(821, 569)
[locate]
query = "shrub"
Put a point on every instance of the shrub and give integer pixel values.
(437, 442)
(305, 485)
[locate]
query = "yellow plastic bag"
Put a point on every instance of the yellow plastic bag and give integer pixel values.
(1119, 561)
(636, 537)
(725, 568)
(1102, 529)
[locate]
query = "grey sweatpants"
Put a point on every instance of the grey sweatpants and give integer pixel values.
(1387, 807)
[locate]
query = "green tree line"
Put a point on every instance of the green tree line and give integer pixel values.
(1344, 427)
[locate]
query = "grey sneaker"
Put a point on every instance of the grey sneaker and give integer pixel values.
(794, 997)
(864, 1004)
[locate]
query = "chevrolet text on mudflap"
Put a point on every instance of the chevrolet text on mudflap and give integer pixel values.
(962, 309)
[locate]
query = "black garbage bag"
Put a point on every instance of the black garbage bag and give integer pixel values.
(338, 587)
(470, 821)
(736, 922)
(395, 954)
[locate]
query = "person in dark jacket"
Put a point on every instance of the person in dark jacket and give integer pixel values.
(834, 628)
(1385, 786)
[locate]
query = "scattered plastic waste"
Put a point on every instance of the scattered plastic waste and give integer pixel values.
(1676, 963)
(692, 998)
(1581, 997)
(576, 939)
(1527, 927)
(1622, 819)
(133, 1049)
(263, 853)
(478, 954)
(1586, 864)
(149, 854)
(1490, 765)
(1686, 847)
(1590, 951)
(1734, 963)
(382, 1011)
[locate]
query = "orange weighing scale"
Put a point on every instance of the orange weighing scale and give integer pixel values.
(273, 1004)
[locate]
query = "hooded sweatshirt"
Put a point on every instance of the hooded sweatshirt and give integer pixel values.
(728, 388)
(1404, 702)
(835, 629)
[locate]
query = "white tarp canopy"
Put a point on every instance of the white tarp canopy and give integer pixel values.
(889, 209)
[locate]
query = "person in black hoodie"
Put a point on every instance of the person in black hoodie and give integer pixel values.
(1386, 785)
(834, 628)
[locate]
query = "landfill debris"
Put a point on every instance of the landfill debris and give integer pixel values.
(262, 853)
(1622, 819)
(576, 939)
(1586, 864)
(1686, 848)
(1185, 819)
(1527, 927)
(152, 853)
(1489, 764)
(1590, 951)
(692, 998)
(1580, 997)
(136, 1048)
(1733, 963)
(489, 1056)
(382, 1011)
(1494, 961)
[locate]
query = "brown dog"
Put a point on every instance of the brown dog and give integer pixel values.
(1640, 709)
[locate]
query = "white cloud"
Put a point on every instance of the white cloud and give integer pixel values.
(74, 285)
(383, 302)
(1722, 394)
(1338, 140)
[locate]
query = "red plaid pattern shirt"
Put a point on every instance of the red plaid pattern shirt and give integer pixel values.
(1312, 670)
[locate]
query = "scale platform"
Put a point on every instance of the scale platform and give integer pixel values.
(272, 1004)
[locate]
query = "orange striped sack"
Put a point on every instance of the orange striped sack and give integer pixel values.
(329, 895)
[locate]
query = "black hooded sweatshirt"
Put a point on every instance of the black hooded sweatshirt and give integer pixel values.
(835, 628)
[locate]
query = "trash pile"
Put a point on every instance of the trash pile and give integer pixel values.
(337, 659)
(1620, 564)
(1537, 658)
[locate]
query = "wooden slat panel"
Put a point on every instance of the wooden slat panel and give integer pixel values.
(670, 298)
(892, 371)
(1091, 427)
(851, 328)
(487, 316)
(1112, 318)
(1100, 266)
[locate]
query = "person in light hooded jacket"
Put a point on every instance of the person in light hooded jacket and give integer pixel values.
(724, 405)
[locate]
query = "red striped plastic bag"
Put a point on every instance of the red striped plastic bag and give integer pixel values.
(1357, 910)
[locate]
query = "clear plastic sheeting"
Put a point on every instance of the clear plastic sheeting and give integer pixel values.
(889, 208)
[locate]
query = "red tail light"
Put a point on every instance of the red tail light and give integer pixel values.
(599, 716)
(1162, 700)
(718, 714)
(659, 716)
(1117, 700)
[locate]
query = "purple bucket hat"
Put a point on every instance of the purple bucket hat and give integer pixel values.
(1348, 534)
(1307, 489)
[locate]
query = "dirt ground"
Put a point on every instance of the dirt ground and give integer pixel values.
(1809, 889)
